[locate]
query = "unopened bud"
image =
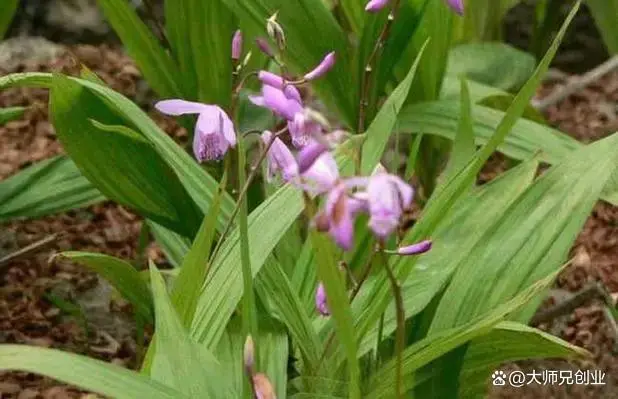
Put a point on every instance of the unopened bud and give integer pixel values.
(262, 387)
(415, 249)
(264, 47)
(237, 45)
(249, 354)
(320, 300)
(325, 65)
(275, 31)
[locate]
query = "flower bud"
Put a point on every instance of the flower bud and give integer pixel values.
(249, 354)
(275, 31)
(237, 45)
(325, 65)
(376, 5)
(264, 47)
(320, 300)
(457, 6)
(262, 387)
(415, 249)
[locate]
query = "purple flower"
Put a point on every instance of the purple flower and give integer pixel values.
(280, 158)
(309, 154)
(376, 5)
(214, 130)
(320, 300)
(457, 6)
(237, 45)
(387, 196)
(338, 216)
(415, 249)
(327, 63)
(322, 176)
(276, 100)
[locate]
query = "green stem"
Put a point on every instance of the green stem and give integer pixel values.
(401, 326)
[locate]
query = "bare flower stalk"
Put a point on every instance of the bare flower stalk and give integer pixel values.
(370, 65)
(400, 334)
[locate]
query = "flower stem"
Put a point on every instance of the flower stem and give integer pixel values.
(401, 323)
(370, 65)
(249, 317)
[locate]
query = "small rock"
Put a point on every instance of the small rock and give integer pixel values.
(21, 50)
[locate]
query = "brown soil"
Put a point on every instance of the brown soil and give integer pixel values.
(27, 316)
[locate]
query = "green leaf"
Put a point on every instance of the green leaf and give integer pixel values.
(181, 363)
(529, 241)
(463, 146)
(382, 126)
(47, 187)
(604, 13)
(10, 113)
(508, 342)
(491, 63)
(205, 64)
(7, 12)
(195, 264)
(122, 276)
(173, 245)
(223, 287)
(90, 374)
(135, 175)
(274, 286)
(308, 45)
(525, 139)
(431, 348)
(338, 306)
(354, 12)
(272, 344)
(200, 185)
(483, 20)
(156, 65)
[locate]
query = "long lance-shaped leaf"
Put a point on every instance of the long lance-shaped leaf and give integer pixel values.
(93, 375)
(47, 187)
(7, 12)
(508, 342)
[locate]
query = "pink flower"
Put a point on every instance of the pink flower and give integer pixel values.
(214, 130)
(279, 158)
(277, 101)
(320, 300)
(322, 175)
(237, 45)
(376, 5)
(309, 154)
(387, 197)
(325, 65)
(338, 216)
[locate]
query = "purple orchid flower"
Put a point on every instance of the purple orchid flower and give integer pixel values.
(457, 6)
(320, 300)
(376, 5)
(237, 45)
(214, 130)
(321, 176)
(387, 197)
(280, 158)
(339, 214)
(309, 154)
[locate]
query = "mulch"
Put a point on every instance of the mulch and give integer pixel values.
(27, 315)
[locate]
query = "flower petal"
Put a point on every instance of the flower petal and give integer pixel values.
(376, 5)
(180, 107)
